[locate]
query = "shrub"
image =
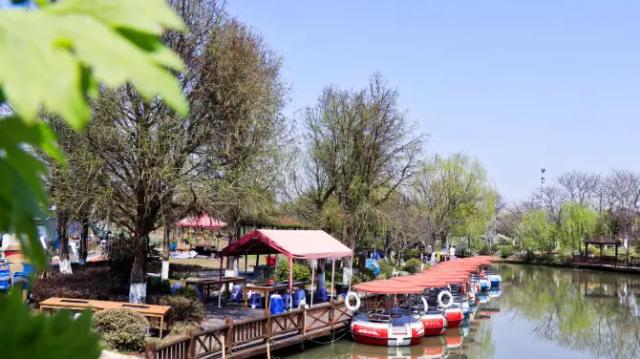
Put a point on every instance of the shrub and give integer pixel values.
(183, 309)
(120, 252)
(412, 266)
(506, 251)
(121, 329)
(386, 269)
(484, 250)
(157, 286)
(412, 253)
(362, 275)
(88, 283)
(300, 271)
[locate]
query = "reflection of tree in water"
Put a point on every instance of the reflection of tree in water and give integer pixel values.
(586, 311)
(479, 345)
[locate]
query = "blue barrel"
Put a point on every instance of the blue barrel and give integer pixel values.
(276, 304)
(236, 294)
(286, 299)
(299, 297)
(255, 301)
(322, 295)
(5, 276)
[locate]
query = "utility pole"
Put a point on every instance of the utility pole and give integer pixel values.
(542, 171)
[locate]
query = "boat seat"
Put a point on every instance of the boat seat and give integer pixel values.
(377, 317)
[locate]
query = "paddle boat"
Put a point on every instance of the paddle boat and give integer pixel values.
(389, 324)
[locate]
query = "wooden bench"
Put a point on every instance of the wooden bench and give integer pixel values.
(155, 313)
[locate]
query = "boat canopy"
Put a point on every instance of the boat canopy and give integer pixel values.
(389, 286)
(201, 222)
(297, 244)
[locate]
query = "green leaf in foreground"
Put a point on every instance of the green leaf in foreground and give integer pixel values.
(25, 334)
(45, 54)
(21, 173)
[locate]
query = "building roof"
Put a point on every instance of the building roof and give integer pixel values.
(602, 240)
(298, 244)
(202, 222)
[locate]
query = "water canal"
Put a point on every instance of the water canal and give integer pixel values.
(541, 312)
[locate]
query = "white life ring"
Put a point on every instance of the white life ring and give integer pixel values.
(441, 302)
(347, 301)
(424, 302)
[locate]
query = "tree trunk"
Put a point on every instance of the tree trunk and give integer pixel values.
(84, 241)
(164, 274)
(138, 286)
(64, 261)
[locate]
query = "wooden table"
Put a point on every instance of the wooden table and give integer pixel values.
(210, 284)
(151, 311)
(267, 290)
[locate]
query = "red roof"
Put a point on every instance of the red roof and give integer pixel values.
(202, 222)
(389, 286)
(299, 244)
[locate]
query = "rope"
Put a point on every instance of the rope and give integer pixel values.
(331, 341)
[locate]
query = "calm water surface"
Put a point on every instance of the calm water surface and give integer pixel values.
(541, 313)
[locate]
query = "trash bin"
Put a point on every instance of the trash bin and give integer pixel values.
(276, 304)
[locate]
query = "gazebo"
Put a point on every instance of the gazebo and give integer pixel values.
(601, 241)
(294, 244)
(201, 222)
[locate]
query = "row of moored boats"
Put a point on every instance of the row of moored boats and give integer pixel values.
(401, 310)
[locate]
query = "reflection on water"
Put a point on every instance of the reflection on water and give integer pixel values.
(541, 313)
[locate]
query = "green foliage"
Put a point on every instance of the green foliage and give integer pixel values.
(24, 334)
(121, 329)
(183, 309)
(506, 251)
(386, 269)
(412, 253)
(362, 275)
(535, 231)
(52, 60)
(79, 44)
(412, 266)
(577, 223)
(455, 196)
(300, 271)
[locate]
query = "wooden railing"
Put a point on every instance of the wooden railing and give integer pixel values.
(609, 261)
(256, 336)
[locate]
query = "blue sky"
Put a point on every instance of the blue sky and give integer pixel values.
(518, 84)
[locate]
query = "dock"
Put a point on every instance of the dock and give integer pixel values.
(252, 337)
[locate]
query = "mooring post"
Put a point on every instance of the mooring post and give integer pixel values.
(150, 351)
(229, 338)
(191, 353)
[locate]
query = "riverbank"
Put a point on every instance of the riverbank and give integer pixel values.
(567, 262)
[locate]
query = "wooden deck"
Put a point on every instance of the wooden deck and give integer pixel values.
(253, 337)
(607, 263)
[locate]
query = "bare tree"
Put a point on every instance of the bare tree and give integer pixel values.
(580, 187)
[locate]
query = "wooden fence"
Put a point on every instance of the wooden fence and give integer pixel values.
(622, 262)
(246, 338)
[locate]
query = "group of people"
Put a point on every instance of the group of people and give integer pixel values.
(433, 257)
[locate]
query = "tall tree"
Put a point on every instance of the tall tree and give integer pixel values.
(450, 191)
(580, 187)
(363, 150)
(578, 223)
(243, 156)
(155, 160)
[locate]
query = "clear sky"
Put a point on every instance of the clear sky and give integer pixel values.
(518, 84)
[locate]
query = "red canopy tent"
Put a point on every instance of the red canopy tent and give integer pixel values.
(202, 222)
(294, 244)
(389, 286)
